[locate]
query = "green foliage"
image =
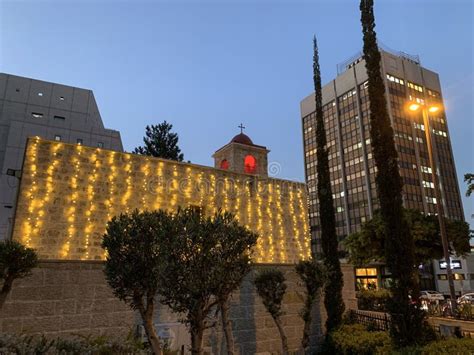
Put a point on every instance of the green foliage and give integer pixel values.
(333, 287)
(16, 262)
(312, 275)
(469, 179)
(160, 142)
(206, 261)
(368, 245)
(271, 287)
(356, 340)
(399, 246)
(449, 346)
(136, 245)
(373, 300)
(25, 344)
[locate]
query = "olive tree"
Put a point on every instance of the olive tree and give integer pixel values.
(207, 261)
(271, 288)
(135, 264)
(312, 275)
(16, 262)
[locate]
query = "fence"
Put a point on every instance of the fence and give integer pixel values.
(372, 320)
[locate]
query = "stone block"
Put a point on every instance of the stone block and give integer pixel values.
(25, 294)
(12, 325)
(101, 320)
(41, 324)
(44, 308)
(56, 277)
(75, 321)
(17, 309)
(78, 292)
(67, 306)
(50, 292)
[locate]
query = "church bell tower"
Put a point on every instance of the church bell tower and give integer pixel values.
(242, 156)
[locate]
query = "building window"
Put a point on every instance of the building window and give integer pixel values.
(40, 94)
(79, 141)
(250, 164)
(36, 115)
(59, 118)
(61, 98)
(224, 164)
(366, 278)
(442, 277)
(57, 138)
(100, 145)
(17, 90)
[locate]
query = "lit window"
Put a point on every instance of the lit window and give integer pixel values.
(40, 94)
(57, 138)
(61, 98)
(250, 164)
(428, 184)
(79, 141)
(224, 164)
(100, 145)
(36, 115)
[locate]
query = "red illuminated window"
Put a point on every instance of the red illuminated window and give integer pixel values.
(250, 164)
(224, 164)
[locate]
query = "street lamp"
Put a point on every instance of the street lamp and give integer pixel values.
(425, 109)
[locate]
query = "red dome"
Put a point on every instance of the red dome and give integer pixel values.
(242, 139)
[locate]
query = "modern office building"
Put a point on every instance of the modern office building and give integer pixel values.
(30, 107)
(352, 168)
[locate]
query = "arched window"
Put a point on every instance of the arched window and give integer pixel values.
(250, 164)
(224, 164)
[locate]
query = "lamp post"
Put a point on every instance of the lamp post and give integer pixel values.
(415, 106)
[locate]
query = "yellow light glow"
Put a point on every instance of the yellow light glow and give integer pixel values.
(434, 109)
(413, 106)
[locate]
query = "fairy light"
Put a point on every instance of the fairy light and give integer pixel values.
(100, 184)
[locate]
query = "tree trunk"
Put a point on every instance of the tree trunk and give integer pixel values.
(227, 326)
(6, 288)
(147, 317)
(307, 324)
(196, 339)
(284, 340)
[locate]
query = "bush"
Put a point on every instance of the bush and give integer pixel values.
(449, 346)
(27, 344)
(373, 300)
(356, 339)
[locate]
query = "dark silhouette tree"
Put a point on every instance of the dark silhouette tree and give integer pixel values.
(136, 250)
(368, 245)
(469, 179)
(16, 262)
(406, 316)
(160, 142)
(312, 275)
(333, 287)
(271, 288)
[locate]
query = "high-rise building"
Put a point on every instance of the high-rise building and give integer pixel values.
(30, 107)
(352, 168)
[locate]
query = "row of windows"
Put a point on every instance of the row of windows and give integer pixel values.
(80, 141)
(61, 98)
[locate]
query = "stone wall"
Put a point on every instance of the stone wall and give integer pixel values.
(254, 330)
(63, 298)
(68, 193)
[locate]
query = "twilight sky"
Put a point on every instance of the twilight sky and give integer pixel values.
(207, 66)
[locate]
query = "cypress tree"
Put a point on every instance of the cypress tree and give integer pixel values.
(333, 287)
(407, 318)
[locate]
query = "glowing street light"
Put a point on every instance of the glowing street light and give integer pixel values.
(425, 109)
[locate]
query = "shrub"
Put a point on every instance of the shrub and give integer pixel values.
(356, 339)
(27, 344)
(449, 346)
(373, 300)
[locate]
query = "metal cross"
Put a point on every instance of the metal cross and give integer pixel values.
(242, 127)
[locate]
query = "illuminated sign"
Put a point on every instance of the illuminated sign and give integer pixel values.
(455, 264)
